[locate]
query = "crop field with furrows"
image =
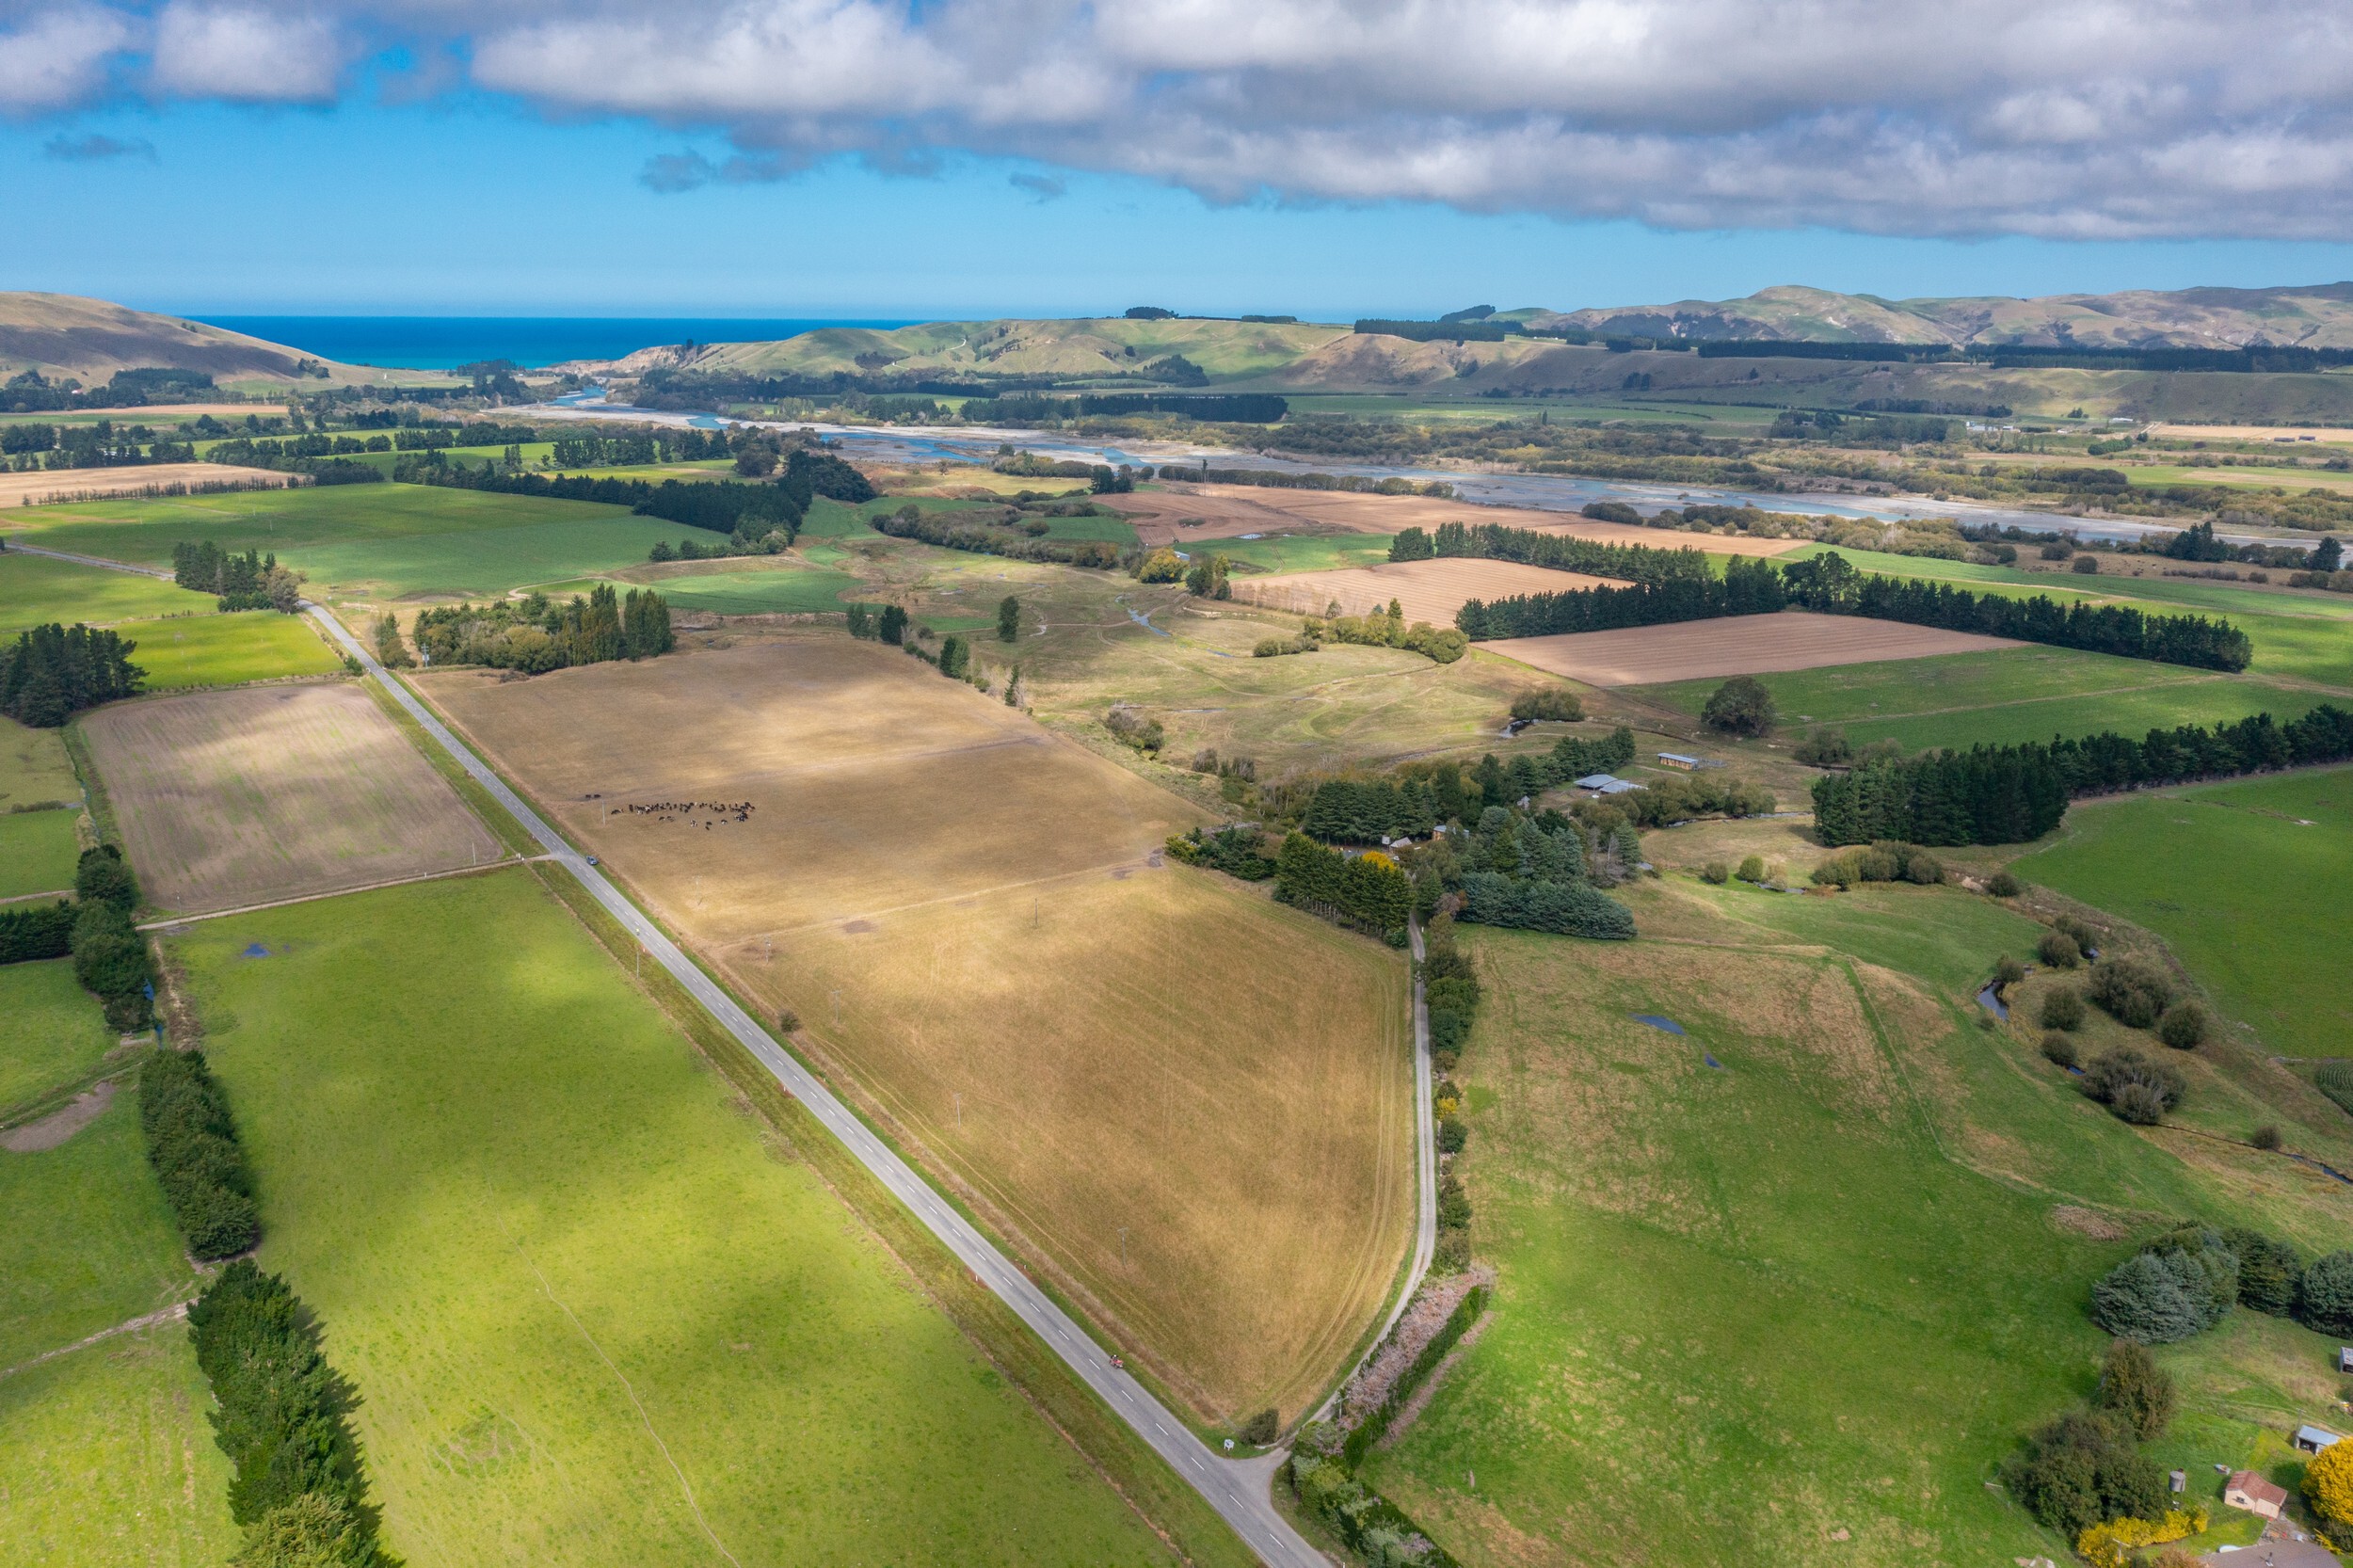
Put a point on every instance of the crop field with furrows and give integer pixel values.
(1428, 591)
(1081, 1040)
(238, 797)
(1731, 645)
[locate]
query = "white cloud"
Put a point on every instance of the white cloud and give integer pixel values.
(245, 55)
(2064, 118)
(53, 59)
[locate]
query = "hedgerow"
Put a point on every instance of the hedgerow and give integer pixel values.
(192, 1143)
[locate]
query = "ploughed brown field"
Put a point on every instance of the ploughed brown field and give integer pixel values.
(90, 483)
(1227, 510)
(1429, 591)
(1189, 1107)
(245, 797)
(1733, 645)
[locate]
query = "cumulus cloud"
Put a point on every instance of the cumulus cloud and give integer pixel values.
(2084, 118)
(245, 55)
(95, 148)
(53, 59)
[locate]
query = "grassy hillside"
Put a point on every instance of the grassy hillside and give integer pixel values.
(2313, 316)
(2271, 855)
(1794, 1304)
(1081, 347)
(65, 334)
(594, 1314)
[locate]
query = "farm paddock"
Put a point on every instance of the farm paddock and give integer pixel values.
(1733, 645)
(1187, 1106)
(1429, 591)
(1227, 510)
(41, 485)
(238, 797)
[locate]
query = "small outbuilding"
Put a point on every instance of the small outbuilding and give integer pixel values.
(1682, 763)
(2312, 1439)
(1606, 784)
(2345, 1359)
(2250, 1493)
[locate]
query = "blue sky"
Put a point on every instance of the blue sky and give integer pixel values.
(308, 160)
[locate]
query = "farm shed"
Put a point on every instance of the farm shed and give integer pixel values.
(2345, 1358)
(2249, 1491)
(2312, 1439)
(1606, 784)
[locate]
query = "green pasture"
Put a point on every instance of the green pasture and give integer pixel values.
(104, 1450)
(557, 1260)
(1793, 1309)
(2001, 696)
(88, 1242)
(380, 540)
(227, 651)
(37, 851)
(33, 767)
(757, 592)
(51, 1033)
(109, 1460)
(2251, 884)
(1280, 552)
(2267, 476)
(36, 590)
(2299, 636)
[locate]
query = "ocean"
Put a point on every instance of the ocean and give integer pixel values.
(441, 342)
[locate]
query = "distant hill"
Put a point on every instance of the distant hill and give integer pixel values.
(2310, 316)
(64, 334)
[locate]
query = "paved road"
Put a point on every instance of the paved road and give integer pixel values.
(1238, 1493)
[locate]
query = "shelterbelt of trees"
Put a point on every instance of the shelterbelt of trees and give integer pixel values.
(1830, 584)
(2011, 793)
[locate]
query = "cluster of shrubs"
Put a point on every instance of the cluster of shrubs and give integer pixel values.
(192, 1143)
(1129, 727)
(52, 672)
(1373, 1528)
(1553, 704)
(994, 534)
(1888, 860)
(2086, 1468)
(1441, 644)
(283, 1416)
(1529, 872)
(1239, 852)
(247, 582)
(111, 958)
(1450, 994)
(1415, 798)
(1366, 892)
(2133, 1086)
(2185, 1282)
(1683, 797)
(535, 633)
(1752, 869)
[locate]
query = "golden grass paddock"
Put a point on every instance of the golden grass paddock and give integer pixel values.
(244, 797)
(1733, 645)
(91, 484)
(1429, 591)
(1190, 1107)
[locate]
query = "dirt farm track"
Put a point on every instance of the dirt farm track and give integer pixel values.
(1734, 644)
(1190, 1105)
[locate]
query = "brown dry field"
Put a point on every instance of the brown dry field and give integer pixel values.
(149, 413)
(2304, 434)
(1733, 645)
(89, 484)
(238, 797)
(1231, 509)
(1429, 591)
(969, 916)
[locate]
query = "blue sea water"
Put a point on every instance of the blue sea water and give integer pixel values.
(440, 342)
